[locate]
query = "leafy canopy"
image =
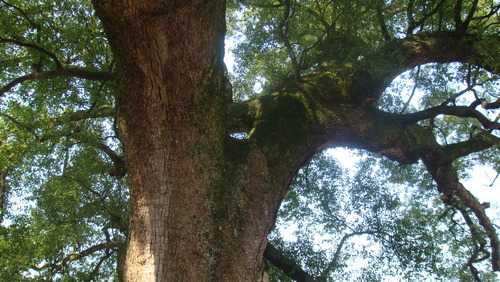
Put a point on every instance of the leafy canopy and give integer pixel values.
(64, 197)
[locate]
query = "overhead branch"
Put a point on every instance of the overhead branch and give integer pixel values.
(459, 111)
(66, 72)
(59, 265)
(33, 46)
(119, 168)
(291, 268)
(481, 141)
(401, 55)
(95, 112)
(336, 256)
(92, 276)
(479, 244)
(454, 193)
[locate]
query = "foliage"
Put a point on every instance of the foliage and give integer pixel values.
(372, 222)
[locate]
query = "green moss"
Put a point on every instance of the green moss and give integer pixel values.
(283, 121)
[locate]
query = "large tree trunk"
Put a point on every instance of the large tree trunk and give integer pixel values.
(193, 218)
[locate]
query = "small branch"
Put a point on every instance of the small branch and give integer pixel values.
(33, 46)
(415, 86)
(67, 72)
(58, 266)
(409, 16)
(21, 125)
(454, 97)
(22, 13)
(241, 115)
(3, 193)
(97, 112)
(119, 168)
(492, 12)
(284, 32)
(260, 5)
(97, 267)
(492, 105)
(334, 262)
(430, 14)
(381, 21)
(494, 179)
(470, 15)
(457, 17)
(479, 244)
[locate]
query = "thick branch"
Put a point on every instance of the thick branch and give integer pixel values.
(437, 47)
(480, 142)
(291, 268)
(459, 111)
(297, 125)
(242, 115)
(453, 193)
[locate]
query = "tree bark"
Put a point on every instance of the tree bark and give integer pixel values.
(200, 212)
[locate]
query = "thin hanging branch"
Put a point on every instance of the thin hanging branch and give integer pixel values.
(415, 86)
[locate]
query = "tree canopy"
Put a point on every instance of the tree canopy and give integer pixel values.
(412, 83)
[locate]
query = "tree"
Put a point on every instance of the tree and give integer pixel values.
(92, 92)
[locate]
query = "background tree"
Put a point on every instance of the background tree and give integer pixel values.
(93, 92)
